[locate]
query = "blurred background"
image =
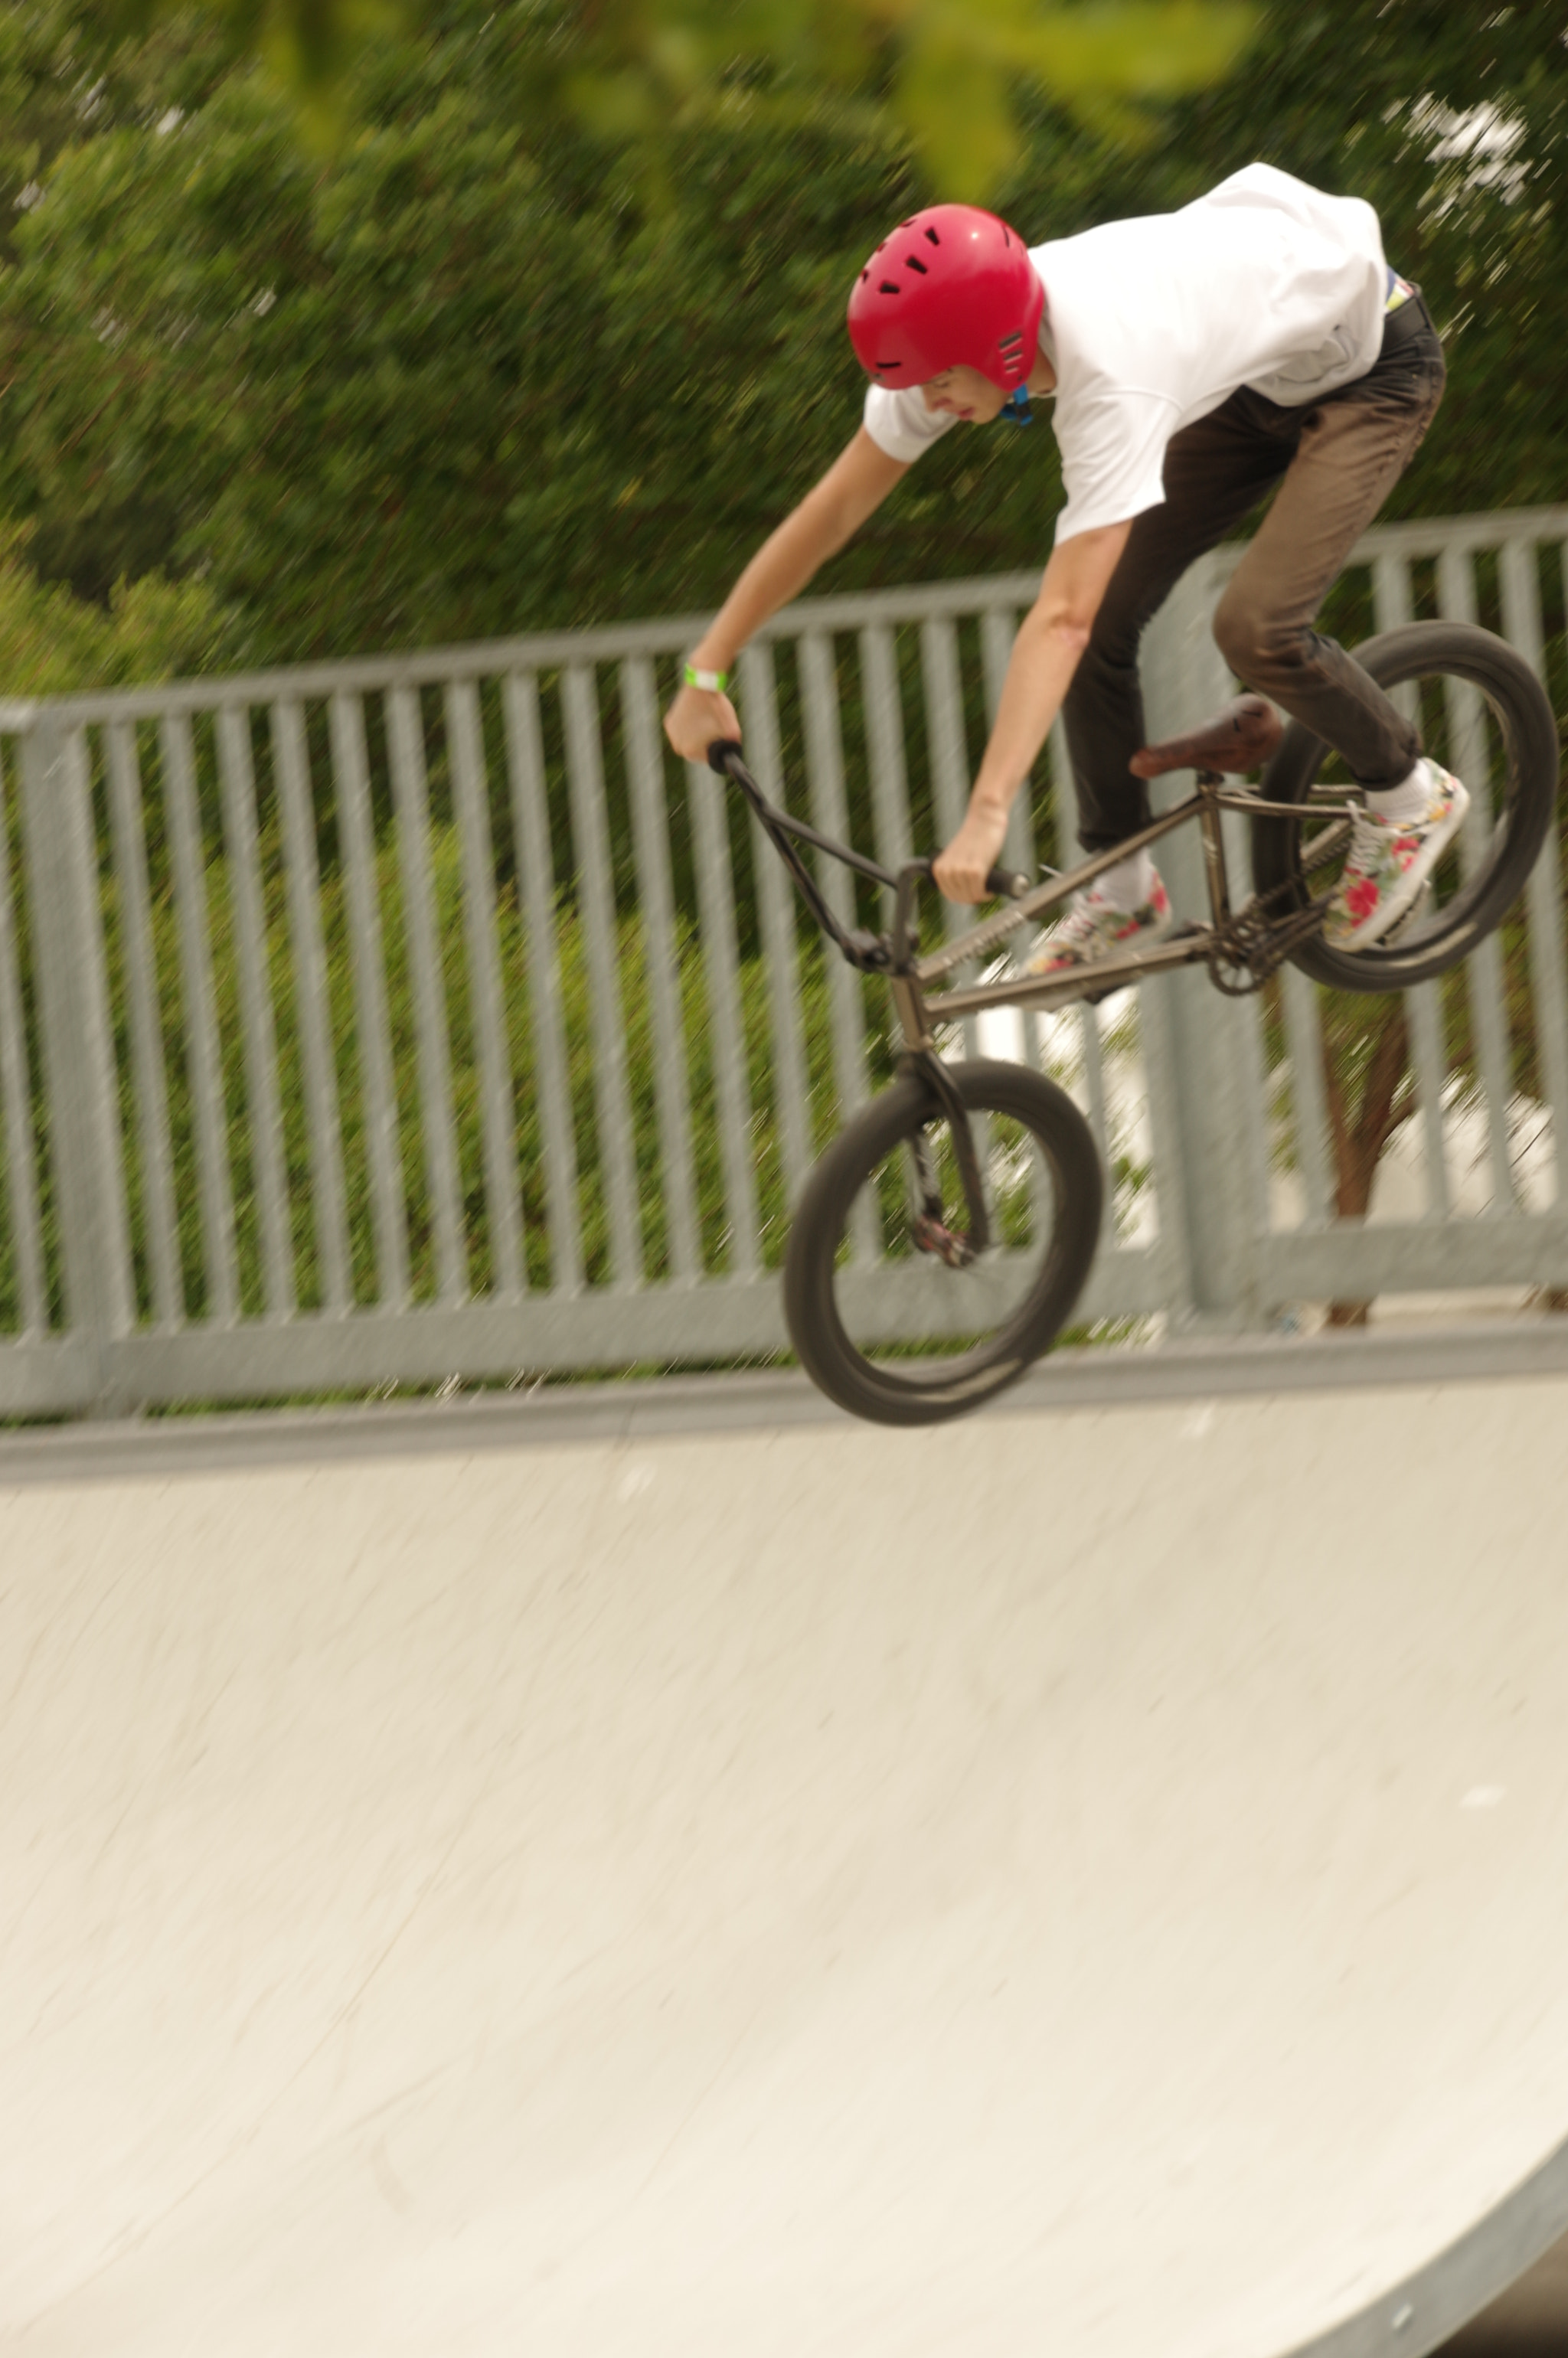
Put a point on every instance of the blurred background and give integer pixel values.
(336, 329)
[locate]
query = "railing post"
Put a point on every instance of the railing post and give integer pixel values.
(77, 1055)
(1201, 1102)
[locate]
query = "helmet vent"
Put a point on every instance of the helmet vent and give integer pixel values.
(1010, 343)
(933, 236)
(890, 287)
(912, 262)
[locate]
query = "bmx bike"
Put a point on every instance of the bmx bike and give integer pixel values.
(940, 1243)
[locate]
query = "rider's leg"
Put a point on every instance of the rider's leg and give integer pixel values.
(1216, 471)
(1349, 451)
(1351, 448)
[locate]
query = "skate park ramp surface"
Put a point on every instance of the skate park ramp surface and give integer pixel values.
(1087, 1880)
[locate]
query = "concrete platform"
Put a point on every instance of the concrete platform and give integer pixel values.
(1091, 1881)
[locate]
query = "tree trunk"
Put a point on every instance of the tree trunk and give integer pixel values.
(1359, 1140)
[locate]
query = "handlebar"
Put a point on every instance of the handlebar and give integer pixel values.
(724, 755)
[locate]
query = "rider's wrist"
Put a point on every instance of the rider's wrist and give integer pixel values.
(709, 669)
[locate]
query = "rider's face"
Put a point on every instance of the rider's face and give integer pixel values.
(964, 394)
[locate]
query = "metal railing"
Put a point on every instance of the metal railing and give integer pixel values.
(378, 1022)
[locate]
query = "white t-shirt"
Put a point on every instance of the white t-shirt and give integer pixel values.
(1149, 324)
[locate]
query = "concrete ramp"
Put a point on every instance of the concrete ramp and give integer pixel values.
(1091, 1882)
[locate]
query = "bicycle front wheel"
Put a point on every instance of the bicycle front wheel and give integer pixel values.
(882, 1324)
(1484, 715)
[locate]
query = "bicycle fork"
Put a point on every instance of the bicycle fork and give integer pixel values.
(932, 1234)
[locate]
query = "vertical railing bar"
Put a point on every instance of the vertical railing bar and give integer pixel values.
(1522, 627)
(780, 939)
(536, 887)
(1156, 1032)
(845, 998)
(1309, 1100)
(1483, 968)
(884, 739)
(498, 1104)
(944, 737)
(650, 836)
(81, 1084)
(95, 1045)
(238, 774)
(1392, 605)
(405, 750)
(15, 1100)
(312, 1000)
(942, 680)
(1091, 1047)
(1254, 1096)
(1423, 1008)
(715, 899)
(206, 1075)
(998, 628)
(389, 1222)
(1393, 608)
(585, 778)
(1086, 1022)
(149, 1078)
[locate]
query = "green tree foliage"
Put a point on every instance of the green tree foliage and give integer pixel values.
(499, 362)
(944, 73)
(52, 641)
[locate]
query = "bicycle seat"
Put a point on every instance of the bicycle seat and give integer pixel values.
(1242, 737)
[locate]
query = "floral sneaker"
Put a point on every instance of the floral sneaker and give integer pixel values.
(1389, 864)
(1092, 931)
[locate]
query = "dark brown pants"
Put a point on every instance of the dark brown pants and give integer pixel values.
(1333, 462)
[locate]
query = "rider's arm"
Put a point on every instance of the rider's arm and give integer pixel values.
(1051, 638)
(855, 485)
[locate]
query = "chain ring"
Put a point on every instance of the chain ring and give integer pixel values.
(1256, 944)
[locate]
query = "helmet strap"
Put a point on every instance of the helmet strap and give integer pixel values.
(1016, 409)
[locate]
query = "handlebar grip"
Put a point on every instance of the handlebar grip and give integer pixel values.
(1001, 883)
(719, 754)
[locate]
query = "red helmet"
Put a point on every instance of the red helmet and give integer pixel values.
(953, 286)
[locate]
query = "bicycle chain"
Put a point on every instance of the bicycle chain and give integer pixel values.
(1258, 946)
(1255, 944)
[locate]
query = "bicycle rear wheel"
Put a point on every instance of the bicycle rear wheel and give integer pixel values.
(1484, 715)
(884, 1326)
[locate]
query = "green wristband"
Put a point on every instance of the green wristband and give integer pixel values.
(713, 682)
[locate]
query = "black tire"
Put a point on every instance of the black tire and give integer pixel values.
(1005, 1310)
(1510, 765)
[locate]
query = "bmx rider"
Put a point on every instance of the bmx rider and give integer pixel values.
(1254, 342)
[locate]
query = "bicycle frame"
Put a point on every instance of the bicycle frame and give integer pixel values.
(909, 976)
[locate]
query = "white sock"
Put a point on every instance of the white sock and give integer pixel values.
(1131, 882)
(1409, 799)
